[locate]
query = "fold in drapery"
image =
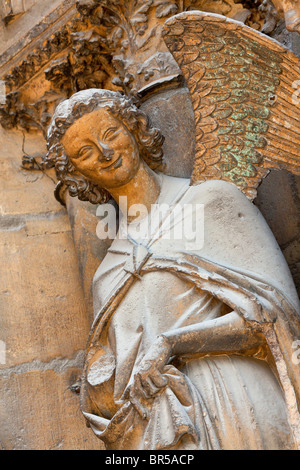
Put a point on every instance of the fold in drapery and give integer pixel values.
(175, 412)
(249, 294)
(252, 299)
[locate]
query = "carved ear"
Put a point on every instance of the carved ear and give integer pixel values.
(243, 87)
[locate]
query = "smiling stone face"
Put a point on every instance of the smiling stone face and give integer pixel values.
(102, 149)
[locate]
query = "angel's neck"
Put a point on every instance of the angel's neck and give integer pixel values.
(136, 197)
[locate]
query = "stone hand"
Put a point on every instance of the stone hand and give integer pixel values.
(149, 380)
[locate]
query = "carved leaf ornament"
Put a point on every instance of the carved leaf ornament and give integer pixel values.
(102, 47)
(243, 87)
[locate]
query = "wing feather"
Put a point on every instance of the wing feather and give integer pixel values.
(242, 86)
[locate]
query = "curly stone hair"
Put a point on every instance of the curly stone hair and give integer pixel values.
(148, 138)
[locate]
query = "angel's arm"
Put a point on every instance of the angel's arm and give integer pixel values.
(227, 334)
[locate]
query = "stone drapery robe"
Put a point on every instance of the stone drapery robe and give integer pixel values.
(148, 285)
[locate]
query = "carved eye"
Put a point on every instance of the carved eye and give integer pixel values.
(85, 152)
(109, 134)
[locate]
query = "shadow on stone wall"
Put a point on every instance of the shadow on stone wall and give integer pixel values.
(279, 201)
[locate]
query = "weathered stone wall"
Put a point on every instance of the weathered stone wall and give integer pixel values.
(43, 318)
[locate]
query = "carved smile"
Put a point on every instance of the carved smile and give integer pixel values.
(116, 164)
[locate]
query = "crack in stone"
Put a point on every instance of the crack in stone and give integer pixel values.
(58, 365)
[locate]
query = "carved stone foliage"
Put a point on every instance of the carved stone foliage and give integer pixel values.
(25, 113)
(72, 59)
(31, 116)
(131, 32)
(36, 60)
(113, 44)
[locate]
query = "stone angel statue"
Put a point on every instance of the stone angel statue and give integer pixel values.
(192, 345)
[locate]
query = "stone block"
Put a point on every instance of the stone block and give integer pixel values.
(44, 314)
(39, 411)
(172, 113)
(22, 191)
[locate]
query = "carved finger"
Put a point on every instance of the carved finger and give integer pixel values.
(141, 409)
(142, 385)
(149, 387)
(135, 392)
(159, 380)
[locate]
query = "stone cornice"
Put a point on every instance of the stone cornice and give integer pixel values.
(31, 52)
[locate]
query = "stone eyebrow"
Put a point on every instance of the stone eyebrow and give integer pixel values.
(84, 147)
(108, 130)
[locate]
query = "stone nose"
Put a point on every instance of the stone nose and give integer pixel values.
(106, 153)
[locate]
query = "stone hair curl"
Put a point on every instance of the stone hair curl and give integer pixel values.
(148, 138)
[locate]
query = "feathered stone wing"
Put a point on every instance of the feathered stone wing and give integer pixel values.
(244, 90)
